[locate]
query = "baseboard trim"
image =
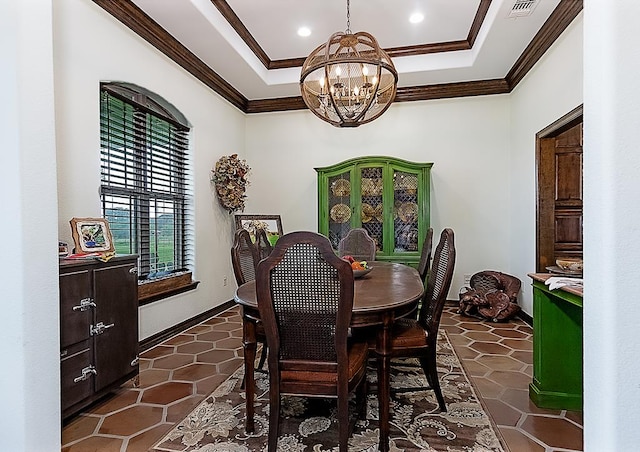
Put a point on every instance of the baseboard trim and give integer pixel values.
(526, 318)
(157, 338)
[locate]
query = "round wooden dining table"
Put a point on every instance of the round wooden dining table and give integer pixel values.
(388, 292)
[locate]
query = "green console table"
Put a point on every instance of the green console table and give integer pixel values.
(557, 346)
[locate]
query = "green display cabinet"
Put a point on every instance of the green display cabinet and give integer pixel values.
(387, 196)
(557, 346)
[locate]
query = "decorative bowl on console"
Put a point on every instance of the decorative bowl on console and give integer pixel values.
(573, 264)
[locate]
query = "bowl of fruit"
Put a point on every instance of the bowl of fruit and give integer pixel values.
(360, 268)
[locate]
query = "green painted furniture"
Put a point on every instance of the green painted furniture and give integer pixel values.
(387, 196)
(557, 346)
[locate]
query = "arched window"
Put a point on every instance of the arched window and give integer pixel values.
(145, 187)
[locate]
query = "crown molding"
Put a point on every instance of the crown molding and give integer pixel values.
(420, 49)
(556, 24)
(449, 90)
(140, 23)
(149, 30)
(407, 94)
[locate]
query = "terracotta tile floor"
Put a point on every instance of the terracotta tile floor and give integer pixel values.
(180, 372)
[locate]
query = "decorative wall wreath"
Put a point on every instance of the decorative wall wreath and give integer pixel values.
(230, 179)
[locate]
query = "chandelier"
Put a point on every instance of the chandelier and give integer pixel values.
(349, 80)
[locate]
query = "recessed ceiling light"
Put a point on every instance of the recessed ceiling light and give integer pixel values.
(416, 18)
(304, 31)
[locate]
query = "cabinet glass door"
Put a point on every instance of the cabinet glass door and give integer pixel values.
(340, 208)
(406, 211)
(386, 196)
(371, 203)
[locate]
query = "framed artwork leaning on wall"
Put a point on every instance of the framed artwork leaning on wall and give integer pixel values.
(272, 224)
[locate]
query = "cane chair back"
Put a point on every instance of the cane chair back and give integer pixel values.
(263, 245)
(438, 285)
(305, 298)
(244, 257)
(425, 255)
(358, 244)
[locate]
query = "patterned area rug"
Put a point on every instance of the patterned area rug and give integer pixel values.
(217, 424)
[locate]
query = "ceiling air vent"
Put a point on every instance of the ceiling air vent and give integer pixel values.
(523, 8)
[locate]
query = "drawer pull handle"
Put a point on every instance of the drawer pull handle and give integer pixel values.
(86, 374)
(135, 361)
(100, 328)
(133, 270)
(85, 303)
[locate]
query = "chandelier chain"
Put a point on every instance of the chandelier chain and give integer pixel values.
(348, 31)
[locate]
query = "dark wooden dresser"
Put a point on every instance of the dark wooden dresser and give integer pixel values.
(98, 328)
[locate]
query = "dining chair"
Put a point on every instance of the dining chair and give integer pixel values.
(358, 244)
(305, 298)
(425, 255)
(262, 243)
(244, 259)
(416, 338)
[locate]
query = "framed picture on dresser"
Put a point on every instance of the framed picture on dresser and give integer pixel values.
(91, 235)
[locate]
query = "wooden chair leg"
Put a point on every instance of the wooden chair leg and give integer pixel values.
(431, 372)
(274, 411)
(263, 358)
(263, 355)
(274, 419)
(343, 421)
(361, 399)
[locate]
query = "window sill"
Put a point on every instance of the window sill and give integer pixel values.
(150, 291)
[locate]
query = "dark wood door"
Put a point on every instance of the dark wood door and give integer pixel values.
(560, 194)
(116, 338)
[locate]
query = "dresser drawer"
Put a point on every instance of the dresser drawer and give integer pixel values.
(76, 376)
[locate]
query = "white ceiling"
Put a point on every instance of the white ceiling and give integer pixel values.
(200, 27)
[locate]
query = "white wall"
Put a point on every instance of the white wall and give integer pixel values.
(30, 376)
(549, 91)
(90, 47)
(611, 225)
(466, 139)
